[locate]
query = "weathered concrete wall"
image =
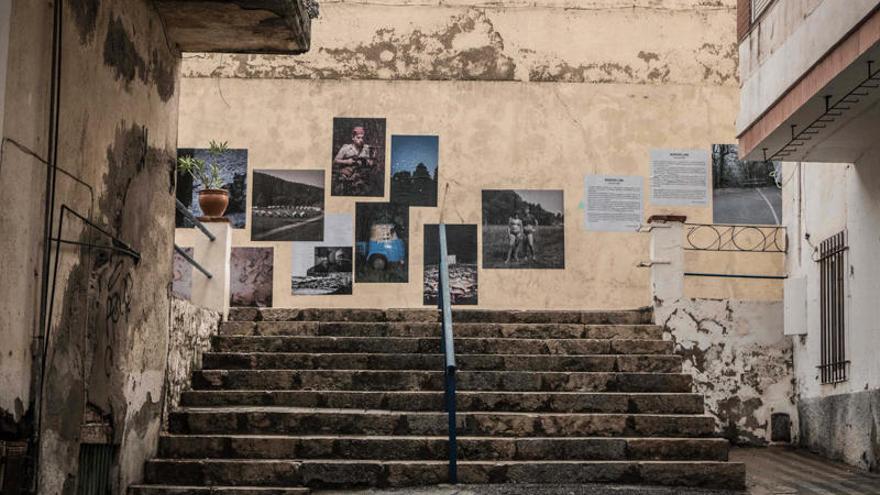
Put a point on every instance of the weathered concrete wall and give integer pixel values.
(740, 360)
(819, 201)
(734, 349)
(191, 329)
(118, 135)
(788, 40)
(522, 95)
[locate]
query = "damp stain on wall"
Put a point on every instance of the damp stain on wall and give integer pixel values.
(121, 55)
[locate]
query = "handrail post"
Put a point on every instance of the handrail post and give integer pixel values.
(214, 257)
(445, 305)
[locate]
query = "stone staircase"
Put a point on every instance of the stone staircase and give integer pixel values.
(290, 400)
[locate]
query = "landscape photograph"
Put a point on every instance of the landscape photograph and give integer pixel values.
(288, 205)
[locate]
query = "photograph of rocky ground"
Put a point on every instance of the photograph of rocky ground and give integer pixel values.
(250, 277)
(461, 245)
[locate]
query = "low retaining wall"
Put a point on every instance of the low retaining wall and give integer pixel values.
(190, 335)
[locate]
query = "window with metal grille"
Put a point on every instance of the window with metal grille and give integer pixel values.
(95, 464)
(832, 291)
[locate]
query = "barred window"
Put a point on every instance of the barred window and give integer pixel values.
(832, 280)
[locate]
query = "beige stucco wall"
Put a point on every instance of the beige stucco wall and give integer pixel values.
(522, 96)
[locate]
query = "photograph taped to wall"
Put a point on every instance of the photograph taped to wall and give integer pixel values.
(461, 245)
(744, 192)
(338, 233)
(414, 170)
(288, 205)
(382, 243)
(250, 276)
(233, 165)
(358, 157)
(181, 285)
(523, 228)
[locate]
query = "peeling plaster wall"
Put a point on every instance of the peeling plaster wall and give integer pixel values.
(842, 420)
(118, 134)
(523, 94)
(740, 360)
(191, 331)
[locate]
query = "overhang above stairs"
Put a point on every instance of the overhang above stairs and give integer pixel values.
(237, 26)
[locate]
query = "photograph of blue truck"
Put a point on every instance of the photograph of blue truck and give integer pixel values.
(381, 247)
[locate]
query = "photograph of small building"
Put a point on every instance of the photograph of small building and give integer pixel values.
(414, 170)
(288, 205)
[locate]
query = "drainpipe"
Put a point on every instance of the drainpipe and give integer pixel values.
(38, 350)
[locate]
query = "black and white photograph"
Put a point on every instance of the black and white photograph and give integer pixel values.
(744, 192)
(414, 170)
(381, 243)
(523, 228)
(330, 273)
(325, 268)
(233, 164)
(288, 205)
(250, 276)
(358, 157)
(461, 254)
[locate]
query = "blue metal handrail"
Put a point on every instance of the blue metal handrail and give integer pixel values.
(445, 305)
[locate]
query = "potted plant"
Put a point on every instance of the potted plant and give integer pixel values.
(213, 199)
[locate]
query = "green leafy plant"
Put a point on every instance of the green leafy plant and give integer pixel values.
(208, 173)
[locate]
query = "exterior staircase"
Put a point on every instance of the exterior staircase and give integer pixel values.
(291, 400)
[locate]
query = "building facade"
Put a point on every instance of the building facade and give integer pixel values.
(809, 98)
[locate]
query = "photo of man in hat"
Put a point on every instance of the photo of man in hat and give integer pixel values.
(358, 157)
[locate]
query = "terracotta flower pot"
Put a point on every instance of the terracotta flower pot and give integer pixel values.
(213, 202)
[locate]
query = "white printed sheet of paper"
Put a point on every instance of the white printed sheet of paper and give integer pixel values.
(613, 203)
(680, 177)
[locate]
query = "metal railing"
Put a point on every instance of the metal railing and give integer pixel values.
(736, 238)
(720, 238)
(447, 341)
(199, 225)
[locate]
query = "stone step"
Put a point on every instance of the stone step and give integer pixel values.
(427, 329)
(215, 490)
(339, 473)
(466, 362)
(307, 421)
(624, 317)
(380, 380)
(564, 402)
(404, 345)
(436, 448)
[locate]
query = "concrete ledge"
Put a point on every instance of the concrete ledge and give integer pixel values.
(237, 26)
